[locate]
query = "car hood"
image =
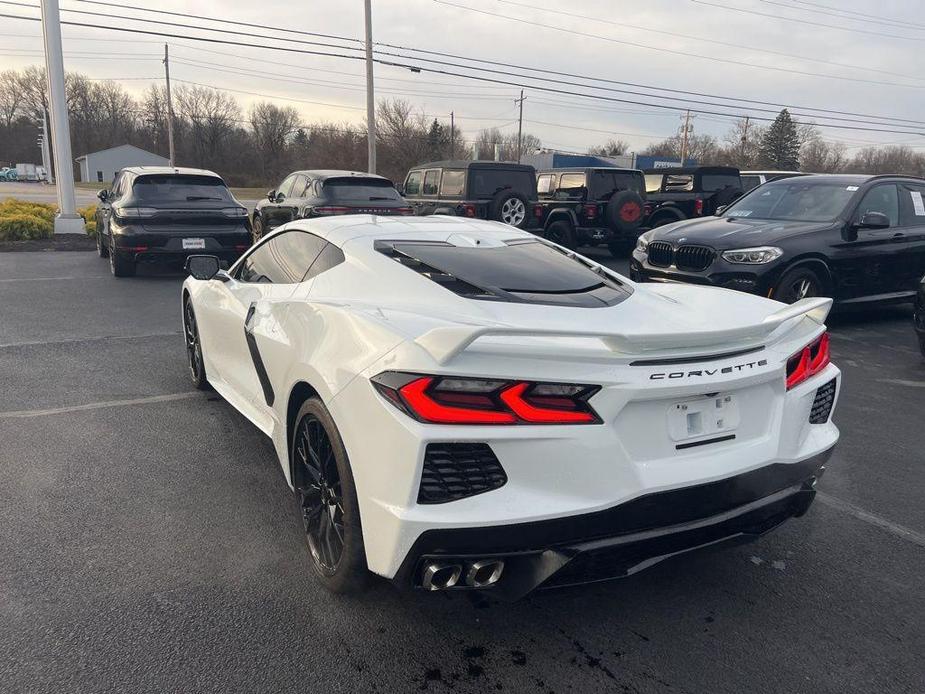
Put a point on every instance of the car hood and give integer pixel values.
(732, 232)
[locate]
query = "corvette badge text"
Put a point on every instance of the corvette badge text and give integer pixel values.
(708, 372)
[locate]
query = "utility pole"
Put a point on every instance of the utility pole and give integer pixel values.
(452, 135)
(745, 143)
(370, 92)
(67, 220)
(172, 153)
(687, 125)
(46, 153)
(520, 125)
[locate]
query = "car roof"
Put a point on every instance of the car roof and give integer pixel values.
(168, 170)
(731, 170)
(323, 174)
(466, 163)
(763, 172)
(584, 169)
(829, 178)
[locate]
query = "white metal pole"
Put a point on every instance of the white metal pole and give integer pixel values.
(67, 221)
(370, 92)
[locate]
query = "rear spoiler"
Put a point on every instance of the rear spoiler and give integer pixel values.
(443, 344)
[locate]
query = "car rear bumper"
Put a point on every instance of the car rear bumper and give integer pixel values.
(624, 539)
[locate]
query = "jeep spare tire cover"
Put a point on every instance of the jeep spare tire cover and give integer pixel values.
(625, 211)
(509, 207)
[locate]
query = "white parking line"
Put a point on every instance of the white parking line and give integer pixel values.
(55, 279)
(868, 517)
(89, 339)
(24, 414)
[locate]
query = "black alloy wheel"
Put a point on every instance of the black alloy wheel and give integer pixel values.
(562, 233)
(327, 500)
(197, 368)
(101, 250)
(800, 283)
(257, 228)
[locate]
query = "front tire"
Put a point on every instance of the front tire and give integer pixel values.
(197, 368)
(799, 283)
(327, 501)
(257, 228)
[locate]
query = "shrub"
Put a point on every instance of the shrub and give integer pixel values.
(21, 227)
(32, 209)
(89, 215)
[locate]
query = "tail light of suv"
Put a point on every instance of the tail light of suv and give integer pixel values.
(467, 209)
(808, 362)
(462, 400)
(698, 207)
(590, 211)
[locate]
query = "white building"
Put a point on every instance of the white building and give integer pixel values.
(98, 167)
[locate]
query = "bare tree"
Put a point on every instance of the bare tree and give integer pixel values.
(611, 148)
(11, 97)
(273, 128)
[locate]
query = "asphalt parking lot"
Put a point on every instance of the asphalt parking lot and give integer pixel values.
(149, 542)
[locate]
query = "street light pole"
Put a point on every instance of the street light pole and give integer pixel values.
(173, 157)
(370, 92)
(67, 221)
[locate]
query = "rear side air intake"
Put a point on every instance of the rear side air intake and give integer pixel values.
(455, 471)
(822, 403)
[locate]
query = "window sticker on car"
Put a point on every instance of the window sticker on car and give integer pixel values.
(738, 213)
(917, 204)
(851, 188)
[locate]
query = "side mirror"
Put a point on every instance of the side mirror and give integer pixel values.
(203, 267)
(271, 195)
(873, 220)
(400, 187)
(103, 195)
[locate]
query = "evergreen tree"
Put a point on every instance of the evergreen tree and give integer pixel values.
(780, 146)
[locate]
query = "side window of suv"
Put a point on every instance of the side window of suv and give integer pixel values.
(453, 183)
(545, 184)
(431, 179)
(571, 185)
(413, 183)
(282, 259)
(285, 188)
(882, 198)
(913, 206)
(116, 190)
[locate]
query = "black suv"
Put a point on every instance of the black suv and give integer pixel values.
(857, 239)
(164, 214)
(687, 192)
(592, 205)
(322, 193)
(501, 191)
(919, 315)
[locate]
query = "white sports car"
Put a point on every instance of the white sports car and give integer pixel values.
(462, 405)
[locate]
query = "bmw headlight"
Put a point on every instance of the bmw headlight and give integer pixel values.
(753, 256)
(642, 244)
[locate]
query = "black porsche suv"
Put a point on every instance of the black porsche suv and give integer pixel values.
(584, 206)
(161, 214)
(857, 239)
(496, 190)
(321, 193)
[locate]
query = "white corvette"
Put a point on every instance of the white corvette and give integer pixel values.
(461, 405)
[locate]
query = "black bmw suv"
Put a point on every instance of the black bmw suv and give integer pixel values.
(857, 239)
(304, 194)
(161, 214)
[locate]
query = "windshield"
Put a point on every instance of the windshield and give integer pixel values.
(173, 189)
(360, 189)
(802, 201)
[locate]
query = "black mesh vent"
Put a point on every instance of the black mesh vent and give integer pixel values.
(660, 253)
(822, 405)
(695, 258)
(458, 470)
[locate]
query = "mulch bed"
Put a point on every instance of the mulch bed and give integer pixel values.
(64, 242)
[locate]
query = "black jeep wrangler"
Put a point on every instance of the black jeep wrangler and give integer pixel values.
(685, 192)
(501, 191)
(586, 206)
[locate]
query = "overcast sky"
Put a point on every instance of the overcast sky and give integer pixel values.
(867, 59)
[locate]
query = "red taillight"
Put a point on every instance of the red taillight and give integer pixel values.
(241, 246)
(808, 361)
(132, 249)
(698, 207)
(453, 400)
(332, 210)
(591, 211)
(468, 209)
(537, 211)
(404, 210)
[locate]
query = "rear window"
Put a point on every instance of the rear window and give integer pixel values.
(605, 183)
(173, 188)
(679, 182)
(454, 182)
(518, 271)
(484, 183)
(653, 183)
(360, 189)
(713, 182)
(749, 182)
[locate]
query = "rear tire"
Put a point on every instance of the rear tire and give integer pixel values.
(662, 220)
(120, 267)
(799, 283)
(327, 501)
(563, 233)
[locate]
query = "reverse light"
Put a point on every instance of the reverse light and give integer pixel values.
(461, 400)
(753, 256)
(809, 361)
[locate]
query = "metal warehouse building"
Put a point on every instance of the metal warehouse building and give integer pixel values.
(103, 165)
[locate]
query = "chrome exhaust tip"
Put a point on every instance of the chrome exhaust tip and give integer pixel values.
(484, 573)
(440, 575)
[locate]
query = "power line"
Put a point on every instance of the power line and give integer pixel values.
(859, 14)
(675, 91)
(805, 21)
(421, 68)
(893, 24)
(665, 32)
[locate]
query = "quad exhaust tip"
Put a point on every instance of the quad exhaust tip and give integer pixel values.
(442, 575)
